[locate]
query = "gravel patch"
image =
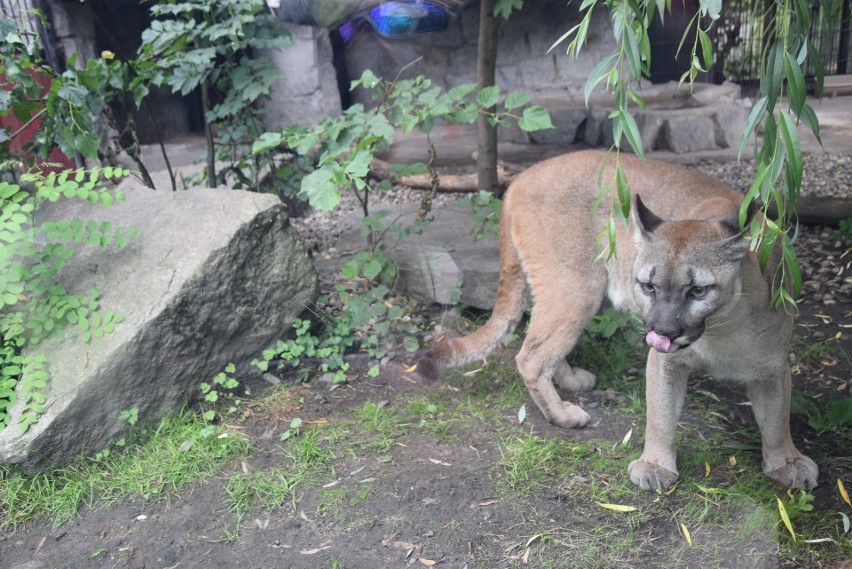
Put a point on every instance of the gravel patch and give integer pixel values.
(826, 175)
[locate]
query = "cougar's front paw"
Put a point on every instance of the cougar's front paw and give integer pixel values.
(649, 476)
(574, 379)
(570, 416)
(799, 472)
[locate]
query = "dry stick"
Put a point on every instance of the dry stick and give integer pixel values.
(426, 202)
(159, 134)
(27, 124)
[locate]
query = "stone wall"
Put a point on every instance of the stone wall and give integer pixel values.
(309, 91)
(523, 61)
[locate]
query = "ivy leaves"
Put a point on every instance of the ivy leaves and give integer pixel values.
(33, 302)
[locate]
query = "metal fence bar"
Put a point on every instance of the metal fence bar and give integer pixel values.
(22, 12)
(740, 37)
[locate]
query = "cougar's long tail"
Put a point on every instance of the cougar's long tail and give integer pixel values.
(508, 310)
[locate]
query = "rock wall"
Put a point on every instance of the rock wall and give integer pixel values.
(523, 60)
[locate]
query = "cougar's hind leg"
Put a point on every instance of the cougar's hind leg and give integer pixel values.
(557, 321)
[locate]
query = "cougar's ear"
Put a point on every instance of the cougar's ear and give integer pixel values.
(734, 247)
(731, 224)
(645, 221)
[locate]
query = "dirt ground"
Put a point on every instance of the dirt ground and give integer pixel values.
(403, 486)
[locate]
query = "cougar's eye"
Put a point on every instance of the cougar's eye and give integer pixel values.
(647, 287)
(699, 291)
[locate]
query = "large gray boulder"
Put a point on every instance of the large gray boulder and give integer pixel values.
(214, 276)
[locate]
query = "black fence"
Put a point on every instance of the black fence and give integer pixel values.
(739, 38)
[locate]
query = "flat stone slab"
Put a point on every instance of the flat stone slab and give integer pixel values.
(214, 276)
(443, 264)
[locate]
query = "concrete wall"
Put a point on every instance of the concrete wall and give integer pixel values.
(309, 91)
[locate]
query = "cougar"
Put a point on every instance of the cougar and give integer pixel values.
(682, 266)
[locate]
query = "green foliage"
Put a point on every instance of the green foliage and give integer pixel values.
(348, 143)
(64, 112)
(779, 107)
(222, 391)
(329, 346)
(843, 231)
(833, 416)
(485, 209)
(33, 302)
(343, 148)
(196, 44)
(610, 322)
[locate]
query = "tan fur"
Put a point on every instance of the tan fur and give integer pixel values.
(725, 329)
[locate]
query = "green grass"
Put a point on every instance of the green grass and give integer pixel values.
(166, 460)
(266, 489)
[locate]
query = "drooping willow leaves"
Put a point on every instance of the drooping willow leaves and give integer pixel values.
(779, 107)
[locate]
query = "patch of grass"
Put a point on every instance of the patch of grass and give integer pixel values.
(307, 451)
(382, 423)
(810, 353)
(331, 502)
(265, 489)
(160, 464)
(527, 462)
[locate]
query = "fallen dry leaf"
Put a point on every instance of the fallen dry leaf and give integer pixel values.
(316, 550)
(428, 562)
(706, 469)
(488, 503)
(244, 466)
(686, 534)
(40, 544)
(732, 460)
(843, 491)
(441, 462)
(617, 507)
(785, 518)
(411, 369)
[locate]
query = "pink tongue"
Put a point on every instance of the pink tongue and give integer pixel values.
(660, 343)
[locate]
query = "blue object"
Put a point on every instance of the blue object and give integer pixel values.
(397, 19)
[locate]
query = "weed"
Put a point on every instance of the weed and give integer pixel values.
(834, 415)
(294, 430)
(843, 232)
(266, 489)
(331, 502)
(307, 453)
(527, 462)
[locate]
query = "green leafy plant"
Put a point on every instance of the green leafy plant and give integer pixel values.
(833, 416)
(223, 391)
(294, 429)
(343, 148)
(33, 302)
(328, 348)
(843, 232)
(196, 44)
(65, 111)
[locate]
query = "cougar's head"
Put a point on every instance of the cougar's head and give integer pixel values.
(685, 272)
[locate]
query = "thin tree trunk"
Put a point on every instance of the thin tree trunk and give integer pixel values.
(208, 134)
(486, 63)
